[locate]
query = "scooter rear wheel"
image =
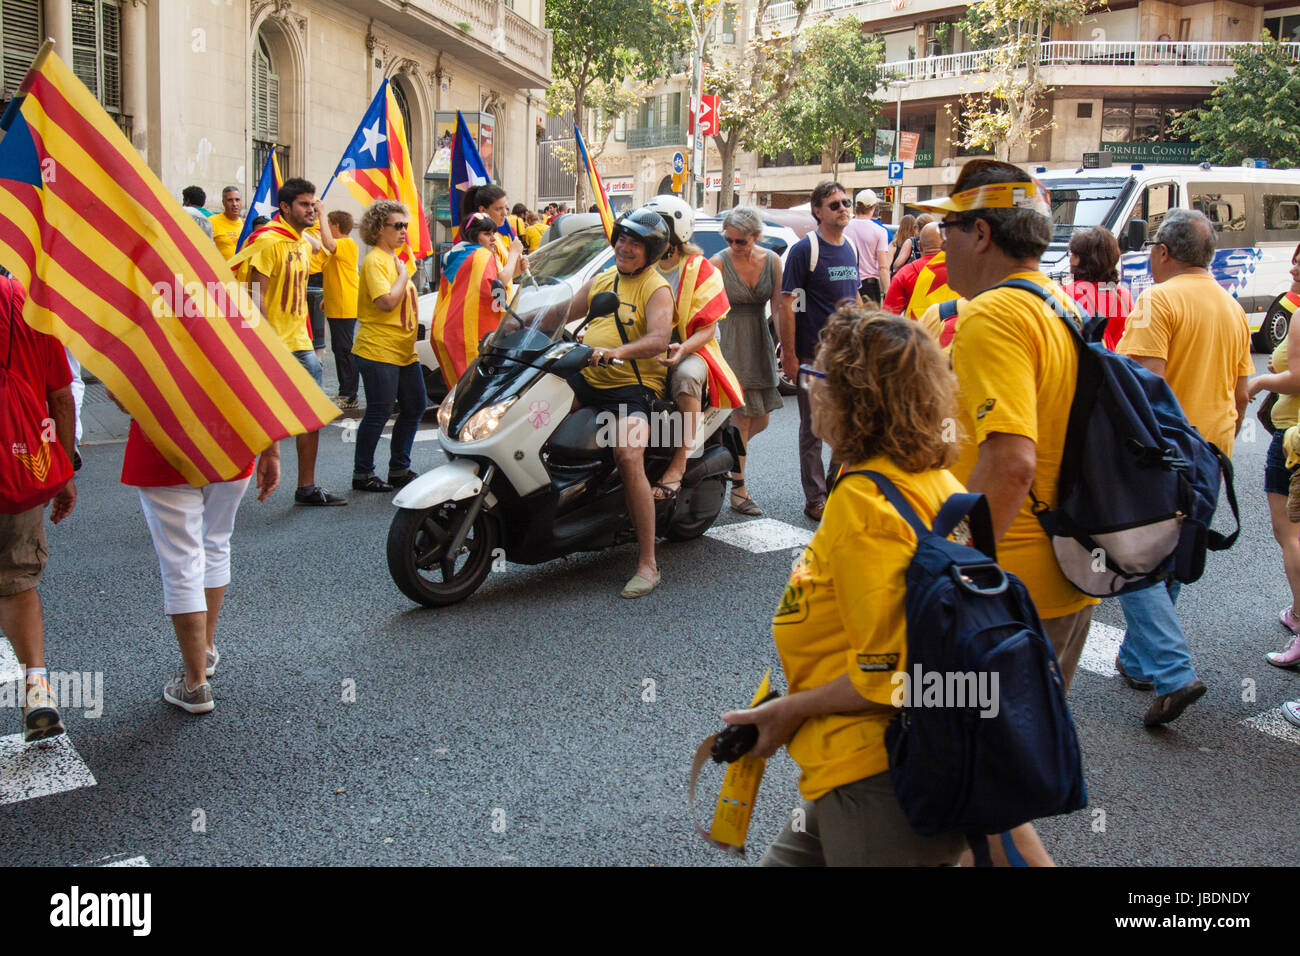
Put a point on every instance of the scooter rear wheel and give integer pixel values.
(417, 558)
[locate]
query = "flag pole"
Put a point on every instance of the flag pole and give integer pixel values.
(25, 86)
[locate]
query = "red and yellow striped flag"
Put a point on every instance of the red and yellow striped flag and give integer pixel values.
(118, 273)
(464, 313)
(702, 299)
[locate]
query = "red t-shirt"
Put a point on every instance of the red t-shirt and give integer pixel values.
(37, 358)
(904, 284)
(1110, 299)
(144, 466)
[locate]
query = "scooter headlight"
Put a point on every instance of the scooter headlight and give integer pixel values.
(444, 411)
(485, 421)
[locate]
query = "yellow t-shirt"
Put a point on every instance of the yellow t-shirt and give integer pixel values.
(1286, 410)
(933, 323)
(340, 280)
(1201, 332)
(634, 293)
(1016, 365)
(843, 613)
(287, 265)
(225, 233)
(384, 336)
(533, 236)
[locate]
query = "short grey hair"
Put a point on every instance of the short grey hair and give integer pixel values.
(230, 189)
(746, 219)
(1188, 235)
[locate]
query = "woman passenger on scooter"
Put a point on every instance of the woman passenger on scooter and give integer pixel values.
(466, 309)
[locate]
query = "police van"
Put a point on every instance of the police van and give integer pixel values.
(1256, 216)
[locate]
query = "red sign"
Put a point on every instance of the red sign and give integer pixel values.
(709, 106)
(907, 144)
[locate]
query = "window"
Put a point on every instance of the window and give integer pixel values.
(1137, 122)
(1281, 215)
(404, 108)
(266, 95)
(620, 128)
(21, 31)
(729, 23)
(1225, 205)
(1155, 203)
(97, 49)
(1286, 29)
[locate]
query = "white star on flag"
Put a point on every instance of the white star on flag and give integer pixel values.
(265, 208)
(471, 179)
(373, 139)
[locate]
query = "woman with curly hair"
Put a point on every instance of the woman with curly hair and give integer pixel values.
(385, 348)
(883, 397)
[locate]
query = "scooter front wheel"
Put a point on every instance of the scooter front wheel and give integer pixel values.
(418, 558)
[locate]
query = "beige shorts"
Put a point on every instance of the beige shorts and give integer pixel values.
(22, 551)
(689, 377)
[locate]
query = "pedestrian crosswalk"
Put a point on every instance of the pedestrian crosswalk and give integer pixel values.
(28, 771)
(761, 535)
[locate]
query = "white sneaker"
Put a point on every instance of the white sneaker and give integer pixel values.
(213, 658)
(1291, 711)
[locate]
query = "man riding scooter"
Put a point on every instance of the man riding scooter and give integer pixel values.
(636, 335)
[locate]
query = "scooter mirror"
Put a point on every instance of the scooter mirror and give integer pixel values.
(605, 303)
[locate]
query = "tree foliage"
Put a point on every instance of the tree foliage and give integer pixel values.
(1255, 113)
(1004, 112)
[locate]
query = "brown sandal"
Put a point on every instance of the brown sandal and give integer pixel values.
(746, 505)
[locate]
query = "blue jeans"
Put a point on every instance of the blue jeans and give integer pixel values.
(384, 383)
(1154, 646)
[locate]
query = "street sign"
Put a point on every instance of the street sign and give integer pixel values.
(709, 115)
(679, 163)
(896, 171)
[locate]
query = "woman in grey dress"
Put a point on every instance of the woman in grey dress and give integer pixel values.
(752, 276)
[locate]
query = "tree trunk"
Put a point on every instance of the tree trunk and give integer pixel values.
(727, 150)
(580, 172)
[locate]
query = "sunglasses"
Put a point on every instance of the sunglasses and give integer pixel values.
(736, 242)
(806, 374)
(837, 204)
(962, 224)
(398, 225)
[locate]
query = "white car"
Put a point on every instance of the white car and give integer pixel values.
(564, 266)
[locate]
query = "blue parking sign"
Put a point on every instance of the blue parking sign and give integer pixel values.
(896, 171)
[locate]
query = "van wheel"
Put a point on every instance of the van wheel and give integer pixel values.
(1273, 329)
(418, 558)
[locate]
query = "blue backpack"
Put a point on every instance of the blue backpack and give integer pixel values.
(986, 765)
(1138, 483)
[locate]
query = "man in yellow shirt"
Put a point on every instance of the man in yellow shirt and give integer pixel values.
(228, 224)
(341, 280)
(1191, 332)
(278, 259)
(636, 335)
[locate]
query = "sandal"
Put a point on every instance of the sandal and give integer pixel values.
(746, 504)
(669, 492)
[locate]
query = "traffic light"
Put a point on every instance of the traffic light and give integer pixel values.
(887, 196)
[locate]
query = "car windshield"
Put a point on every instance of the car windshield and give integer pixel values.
(1080, 204)
(565, 257)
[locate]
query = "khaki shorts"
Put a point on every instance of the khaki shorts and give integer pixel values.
(22, 551)
(689, 377)
(859, 824)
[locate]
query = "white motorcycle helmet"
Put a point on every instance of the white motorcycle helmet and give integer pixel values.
(678, 214)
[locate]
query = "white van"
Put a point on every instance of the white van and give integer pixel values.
(1256, 213)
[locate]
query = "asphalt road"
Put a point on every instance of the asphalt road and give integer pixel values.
(519, 727)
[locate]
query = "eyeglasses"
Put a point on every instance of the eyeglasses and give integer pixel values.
(836, 205)
(736, 242)
(806, 374)
(399, 226)
(962, 224)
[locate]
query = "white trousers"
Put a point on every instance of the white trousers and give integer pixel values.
(191, 532)
(78, 388)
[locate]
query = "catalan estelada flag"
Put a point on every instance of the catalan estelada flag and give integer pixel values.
(465, 312)
(597, 187)
(467, 171)
(377, 165)
(117, 272)
(701, 300)
(265, 197)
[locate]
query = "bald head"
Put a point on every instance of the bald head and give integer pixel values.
(931, 237)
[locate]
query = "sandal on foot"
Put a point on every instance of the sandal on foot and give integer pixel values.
(671, 492)
(746, 504)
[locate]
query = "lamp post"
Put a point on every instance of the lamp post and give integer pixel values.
(697, 91)
(898, 137)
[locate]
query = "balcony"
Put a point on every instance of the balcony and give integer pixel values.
(781, 15)
(656, 136)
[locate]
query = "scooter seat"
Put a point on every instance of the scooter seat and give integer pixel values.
(576, 438)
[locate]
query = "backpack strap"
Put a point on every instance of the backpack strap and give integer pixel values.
(948, 310)
(623, 335)
(813, 245)
(1216, 541)
(1081, 315)
(976, 507)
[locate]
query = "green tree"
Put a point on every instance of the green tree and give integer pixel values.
(831, 106)
(607, 42)
(1006, 111)
(1253, 113)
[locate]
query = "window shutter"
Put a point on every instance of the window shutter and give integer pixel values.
(111, 51)
(273, 107)
(20, 38)
(85, 48)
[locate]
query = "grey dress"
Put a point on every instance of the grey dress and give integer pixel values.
(746, 339)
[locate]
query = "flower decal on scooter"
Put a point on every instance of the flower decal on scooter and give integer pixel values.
(539, 414)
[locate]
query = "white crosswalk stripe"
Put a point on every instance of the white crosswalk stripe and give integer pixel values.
(130, 861)
(10, 669)
(1272, 722)
(1100, 649)
(761, 536)
(28, 771)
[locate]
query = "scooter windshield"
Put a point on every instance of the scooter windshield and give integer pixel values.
(535, 319)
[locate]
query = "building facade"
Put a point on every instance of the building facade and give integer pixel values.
(1116, 82)
(205, 88)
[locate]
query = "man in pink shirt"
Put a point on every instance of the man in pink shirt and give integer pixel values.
(871, 241)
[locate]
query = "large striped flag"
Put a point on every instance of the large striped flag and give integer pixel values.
(265, 197)
(377, 165)
(701, 300)
(118, 273)
(597, 187)
(464, 312)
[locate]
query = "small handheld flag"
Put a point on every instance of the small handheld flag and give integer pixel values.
(264, 197)
(597, 187)
(377, 165)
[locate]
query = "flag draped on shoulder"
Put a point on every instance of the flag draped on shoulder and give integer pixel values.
(701, 300)
(377, 165)
(265, 197)
(122, 276)
(597, 187)
(467, 171)
(465, 312)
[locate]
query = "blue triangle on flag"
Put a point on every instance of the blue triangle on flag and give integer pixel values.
(19, 160)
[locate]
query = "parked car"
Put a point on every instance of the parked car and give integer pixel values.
(562, 267)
